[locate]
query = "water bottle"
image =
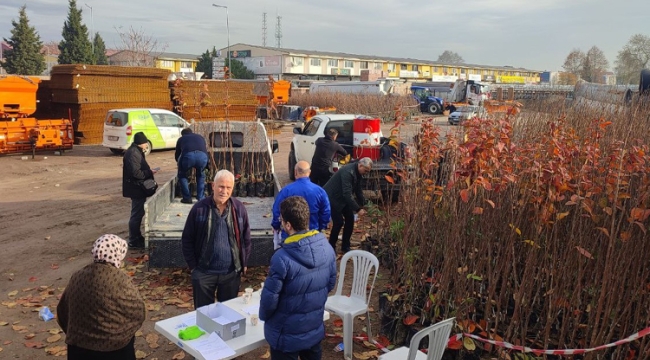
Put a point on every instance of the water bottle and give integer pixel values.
(45, 314)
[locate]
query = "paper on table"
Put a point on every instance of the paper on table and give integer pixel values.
(185, 321)
(253, 309)
(221, 320)
(213, 347)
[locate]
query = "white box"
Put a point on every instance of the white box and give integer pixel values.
(219, 318)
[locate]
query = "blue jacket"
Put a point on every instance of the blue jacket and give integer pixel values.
(316, 197)
(301, 275)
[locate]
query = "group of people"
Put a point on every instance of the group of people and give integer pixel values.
(216, 245)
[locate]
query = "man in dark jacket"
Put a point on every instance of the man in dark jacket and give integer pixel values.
(321, 162)
(301, 275)
(216, 243)
(341, 189)
(135, 170)
(191, 153)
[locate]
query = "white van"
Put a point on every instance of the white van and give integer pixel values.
(162, 128)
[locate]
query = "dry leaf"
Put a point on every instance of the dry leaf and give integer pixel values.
(13, 293)
(48, 237)
(367, 355)
(179, 356)
(1, 349)
(138, 333)
(30, 336)
(152, 340)
(3, 323)
(139, 354)
(469, 344)
(34, 344)
(56, 350)
(33, 278)
(19, 327)
(54, 331)
(266, 355)
(54, 338)
(7, 342)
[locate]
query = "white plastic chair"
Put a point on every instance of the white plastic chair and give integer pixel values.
(438, 335)
(348, 307)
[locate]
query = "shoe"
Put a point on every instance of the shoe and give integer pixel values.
(136, 245)
(186, 201)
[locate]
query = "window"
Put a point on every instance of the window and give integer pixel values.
(186, 64)
(462, 71)
(332, 63)
(311, 128)
(261, 63)
(414, 67)
(117, 119)
(166, 63)
(363, 64)
(314, 62)
(348, 64)
(391, 67)
(297, 61)
(344, 128)
(378, 66)
(435, 69)
(403, 67)
(226, 139)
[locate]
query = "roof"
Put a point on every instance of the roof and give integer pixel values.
(339, 55)
(177, 56)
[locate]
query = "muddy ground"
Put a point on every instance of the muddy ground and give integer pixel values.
(52, 209)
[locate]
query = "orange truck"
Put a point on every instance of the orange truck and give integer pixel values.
(21, 133)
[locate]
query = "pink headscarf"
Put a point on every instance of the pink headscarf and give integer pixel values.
(110, 249)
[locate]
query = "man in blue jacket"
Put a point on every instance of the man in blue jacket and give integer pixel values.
(316, 197)
(301, 275)
(191, 153)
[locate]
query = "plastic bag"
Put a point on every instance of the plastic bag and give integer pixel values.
(45, 314)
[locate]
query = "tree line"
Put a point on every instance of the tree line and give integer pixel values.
(592, 65)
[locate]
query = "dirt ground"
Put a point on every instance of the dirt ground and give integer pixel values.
(52, 209)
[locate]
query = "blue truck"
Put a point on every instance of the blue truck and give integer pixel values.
(428, 102)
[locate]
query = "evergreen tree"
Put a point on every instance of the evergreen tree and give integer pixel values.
(75, 47)
(205, 62)
(25, 57)
(239, 70)
(100, 50)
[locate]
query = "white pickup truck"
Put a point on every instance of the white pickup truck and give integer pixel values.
(303, 146)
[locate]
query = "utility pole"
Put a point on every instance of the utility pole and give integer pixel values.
(92, 32)
(264, 29)
(228, 30)
(278, 32)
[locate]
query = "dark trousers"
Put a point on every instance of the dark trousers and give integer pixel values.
(346, 216)
(196, 160)
(137, 213)
(313, 353)
(125, 353)
(204, 286)
(320, 177)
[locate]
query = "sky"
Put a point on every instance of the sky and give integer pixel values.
(533, 34)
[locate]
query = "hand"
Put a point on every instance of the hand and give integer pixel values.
(153, 171)
(245, 268)
(361, 212)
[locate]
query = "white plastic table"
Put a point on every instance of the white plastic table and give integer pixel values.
(251, 340)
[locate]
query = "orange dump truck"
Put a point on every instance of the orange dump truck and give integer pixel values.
(20, 133)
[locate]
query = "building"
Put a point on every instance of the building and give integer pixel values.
(177, 63)
(293, 64)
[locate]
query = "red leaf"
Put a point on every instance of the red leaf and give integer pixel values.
(605, 124)
(411, 319)
(54, 266)
(464, 195)
(389, 179)
(454, 344)
(491, 203)
(33, 278)
(477, 211)
(584, 252)
(337, 322)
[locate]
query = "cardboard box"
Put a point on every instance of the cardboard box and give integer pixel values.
(219, 318)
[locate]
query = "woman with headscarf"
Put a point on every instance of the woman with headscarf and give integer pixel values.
(101, 309)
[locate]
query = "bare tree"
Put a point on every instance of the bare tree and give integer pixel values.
(634, 57)
(574, 62)
(595, 65)
(138, 48)
(450, 57)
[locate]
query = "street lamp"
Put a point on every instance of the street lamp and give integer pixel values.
(228, 30)
(92, 29)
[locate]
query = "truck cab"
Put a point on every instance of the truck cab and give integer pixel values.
(428, 102)
(468, 92)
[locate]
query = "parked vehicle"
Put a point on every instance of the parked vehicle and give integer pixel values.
(465, 113)
(381, 87)
(162, 128)
(428, 102)
(303, 146)
(242, 147)
(19, 132)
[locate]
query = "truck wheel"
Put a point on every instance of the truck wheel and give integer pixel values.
(292, 165)
(117, 151)
(434, 108)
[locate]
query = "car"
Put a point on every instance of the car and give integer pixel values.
(467, 112)
(162, 128)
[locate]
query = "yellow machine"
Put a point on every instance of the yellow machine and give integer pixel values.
(18, 132)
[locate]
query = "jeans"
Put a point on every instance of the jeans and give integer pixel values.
(125, 353)
(338, 219)
(313, 353)
(137, 213)
(204, 286)
(197, 160)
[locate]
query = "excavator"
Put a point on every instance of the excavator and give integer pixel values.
(20, 133)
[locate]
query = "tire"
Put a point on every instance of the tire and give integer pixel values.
(148, 151)
(117, 151)
(434, 108)
(292, 165)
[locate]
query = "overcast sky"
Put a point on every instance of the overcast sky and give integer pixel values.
(535, 34)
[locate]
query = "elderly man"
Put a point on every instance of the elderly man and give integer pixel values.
(341, 190)
(191, 153)
(316, 197)
(216, 243)
(301, 275)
